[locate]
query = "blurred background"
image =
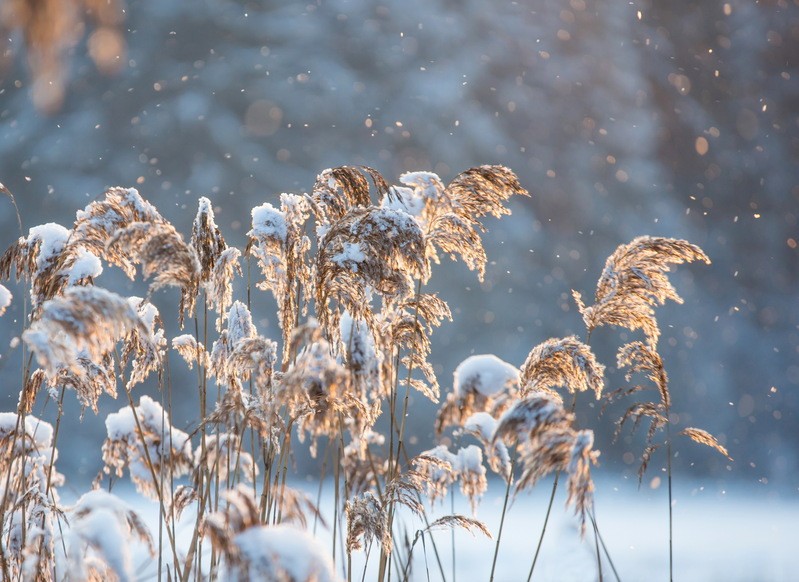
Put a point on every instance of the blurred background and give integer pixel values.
(676, 118)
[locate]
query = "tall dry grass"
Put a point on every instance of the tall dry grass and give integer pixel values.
(347, 265)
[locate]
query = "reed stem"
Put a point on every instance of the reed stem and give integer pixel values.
(501, 519)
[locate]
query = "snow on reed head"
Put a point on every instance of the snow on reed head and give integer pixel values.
(206, 239)
(186, 345)
(30, 503)
(472, 474)
(220, 284)
(546, 442)
(143, 441)
(565, 362)
(218, 262)
(38, 434)
(91, 381)
(439, 468)
(481, 383)
(253, 551)
(482, 425)
(84, 318)
(279, 244)
(634, 281)
(52, 260)
(485, 374)
(101, 219)
(282, 552)
(339, 190)
(145, 346)
(106, 527)
(367, 250)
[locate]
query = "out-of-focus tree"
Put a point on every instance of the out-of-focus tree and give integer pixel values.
(50, 29)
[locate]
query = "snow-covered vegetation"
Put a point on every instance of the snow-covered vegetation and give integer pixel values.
(348, 266)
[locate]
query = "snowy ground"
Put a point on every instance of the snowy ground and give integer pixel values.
(735, 534)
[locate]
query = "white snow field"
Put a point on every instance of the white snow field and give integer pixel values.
(735, 533)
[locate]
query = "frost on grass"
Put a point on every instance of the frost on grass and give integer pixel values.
(143, 440)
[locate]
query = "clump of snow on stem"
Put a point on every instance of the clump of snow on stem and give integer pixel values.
(485, 374)
(144, 441)
(52, 238)
(83, 318)
(268, 223)
(105, 526)
(283, 552)
(5, 299)
(84, 266)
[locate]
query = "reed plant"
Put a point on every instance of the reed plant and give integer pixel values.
(348, 266)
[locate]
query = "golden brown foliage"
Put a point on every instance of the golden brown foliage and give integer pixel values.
(634, 281)
(566, 363)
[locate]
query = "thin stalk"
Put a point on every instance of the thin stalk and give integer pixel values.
(50, 470)
(346, 489)
(366, 562)
(501, 520)
(195, 535)
(322, 475)
(544, 529)
(407, 569)
(156, 482)
(381, 572)
(336, 501)
(451, 530)
(282, 493)
(424, 515)
(410, 373)
(424, 547)
(3, 560)
(268, 455)
(668, 470)
(592, 516)
(596, 546)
